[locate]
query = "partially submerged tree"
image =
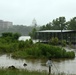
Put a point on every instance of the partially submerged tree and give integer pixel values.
(33, 33)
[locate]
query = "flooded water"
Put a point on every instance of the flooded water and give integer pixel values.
(24, 38)
(66, 66)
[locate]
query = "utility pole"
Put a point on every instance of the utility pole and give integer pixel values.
(61, 34)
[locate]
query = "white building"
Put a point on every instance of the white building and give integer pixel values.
(5, 24)
(34, 23)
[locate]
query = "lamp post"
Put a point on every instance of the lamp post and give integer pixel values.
(61, 34)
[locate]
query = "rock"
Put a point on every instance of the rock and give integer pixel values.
(12, 67)
(24, 64)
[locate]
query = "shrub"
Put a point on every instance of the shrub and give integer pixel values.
(54, 41)
(70, 54)
(63, 43)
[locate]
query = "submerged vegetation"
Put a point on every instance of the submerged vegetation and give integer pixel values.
(43, 51)
(27, 49)
(9, 43)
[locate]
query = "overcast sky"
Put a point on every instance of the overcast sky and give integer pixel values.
(44, 11)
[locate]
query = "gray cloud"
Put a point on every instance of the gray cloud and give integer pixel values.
(44, 11)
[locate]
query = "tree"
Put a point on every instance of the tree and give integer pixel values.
(7, 34)
(59, 23)
(72, 24)
(10, 36)
(43, 27)
(33, 33)
(16, 36)
(54, 41)
(48, 26)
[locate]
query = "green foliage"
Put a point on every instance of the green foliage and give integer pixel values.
(60, 24)
(70, 54)
(16, 36)
(54, 41)
(19, 54)
(26, 72)
(33, 33)
(10, 37)
(8, 34)
(70, 43)
(63, 42)
(9, 42)
(43, 51)
(56, 24)
(7, 48)
(20, 72)
(21, 44)
(46, 27)
(25, 49)
(30, 41)
(72, 24)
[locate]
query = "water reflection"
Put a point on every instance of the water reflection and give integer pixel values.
(67, 66)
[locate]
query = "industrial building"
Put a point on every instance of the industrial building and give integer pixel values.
(67, 35)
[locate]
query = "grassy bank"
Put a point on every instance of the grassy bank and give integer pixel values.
(25, 72)
(19, 72)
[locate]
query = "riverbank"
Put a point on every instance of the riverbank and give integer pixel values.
(25, 72)
(20, 72)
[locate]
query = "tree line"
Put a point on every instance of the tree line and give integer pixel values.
(60, 24)
(23, 30)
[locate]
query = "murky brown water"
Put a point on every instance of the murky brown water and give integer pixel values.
(67, 66)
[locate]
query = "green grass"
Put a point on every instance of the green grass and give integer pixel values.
(25, 72)
(20, 72)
